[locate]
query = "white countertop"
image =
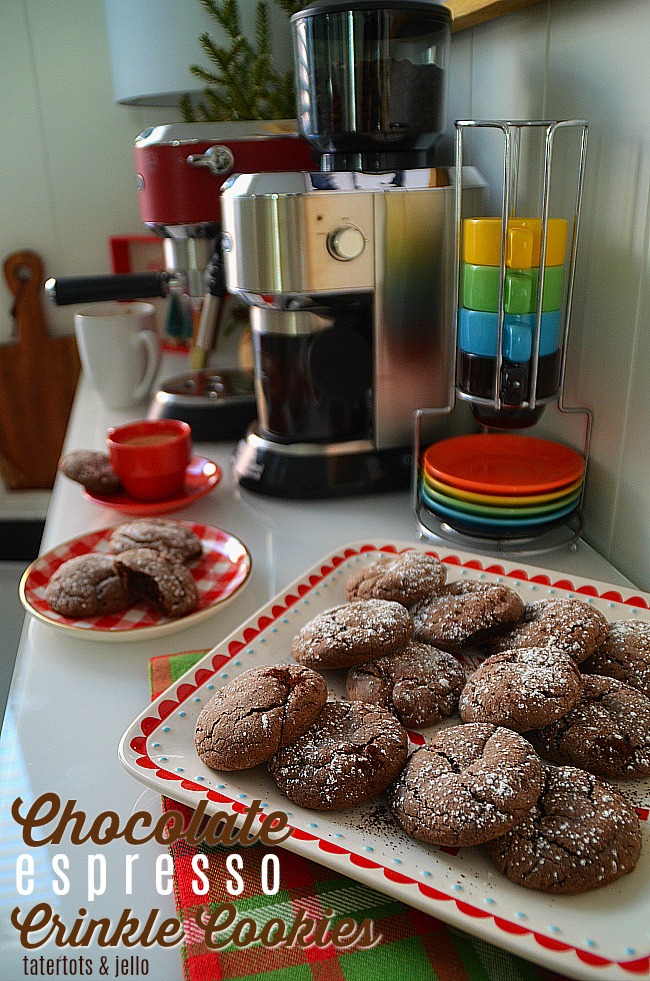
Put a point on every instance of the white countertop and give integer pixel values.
(71, 699)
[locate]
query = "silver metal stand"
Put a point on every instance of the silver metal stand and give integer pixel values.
(566, 531)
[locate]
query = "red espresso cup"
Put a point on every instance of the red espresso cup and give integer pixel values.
(150, 457)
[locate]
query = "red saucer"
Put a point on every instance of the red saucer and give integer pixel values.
(201, 476)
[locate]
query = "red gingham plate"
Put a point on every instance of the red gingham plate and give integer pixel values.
(221, 571)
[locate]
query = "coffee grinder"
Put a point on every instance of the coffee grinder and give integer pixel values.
(349, 271)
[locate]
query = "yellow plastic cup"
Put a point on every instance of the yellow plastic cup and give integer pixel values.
(482, 242)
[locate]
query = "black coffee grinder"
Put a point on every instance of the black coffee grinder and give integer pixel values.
(349, 271)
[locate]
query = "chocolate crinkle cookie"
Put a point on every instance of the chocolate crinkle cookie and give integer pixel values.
(465, 611)
(353, 633)
(468, 785)
(87, 586)
(522, 689)
(161, 534)
(256, 714)
(624, 654)
(580, 835)
(571, 625)
(607, 732)
(420, 684)
(405, 578)
(92, 469)
(158, 577)
(351, 753)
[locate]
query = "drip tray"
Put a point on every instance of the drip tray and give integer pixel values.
(217, 404)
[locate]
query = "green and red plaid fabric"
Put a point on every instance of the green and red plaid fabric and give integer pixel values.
(413, 946)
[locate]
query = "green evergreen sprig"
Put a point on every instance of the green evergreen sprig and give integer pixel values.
(241, 82)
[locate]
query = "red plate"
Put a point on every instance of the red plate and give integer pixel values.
(503, 463)
(201, 476)
(219, 573)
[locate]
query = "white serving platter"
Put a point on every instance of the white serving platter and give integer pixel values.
(601, 934)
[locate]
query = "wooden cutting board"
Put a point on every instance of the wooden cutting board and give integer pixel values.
(38, 378)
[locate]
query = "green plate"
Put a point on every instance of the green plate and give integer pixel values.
(492, 511)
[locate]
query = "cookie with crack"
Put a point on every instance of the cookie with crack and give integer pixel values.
(351, 753)
(580, 835)
(420, 684)
(405, 578)
(624, 654)
(256, 714)
(522, 689)
(158, 577)
(607, 732)
(353, 633)
(88, 586)
(469, 784)
(465, 612)
(568, 624)
(161, 534)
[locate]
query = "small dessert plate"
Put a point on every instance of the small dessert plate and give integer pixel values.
(219, 574)
(201, 476)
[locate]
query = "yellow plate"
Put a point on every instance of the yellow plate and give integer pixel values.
(498, 499)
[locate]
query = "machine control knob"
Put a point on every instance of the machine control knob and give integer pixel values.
(347, 242)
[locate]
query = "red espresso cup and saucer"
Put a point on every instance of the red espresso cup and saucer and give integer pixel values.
(150, 457)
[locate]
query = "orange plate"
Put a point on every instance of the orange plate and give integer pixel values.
(503, 463)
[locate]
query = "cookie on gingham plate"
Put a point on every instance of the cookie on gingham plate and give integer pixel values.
(161, 534)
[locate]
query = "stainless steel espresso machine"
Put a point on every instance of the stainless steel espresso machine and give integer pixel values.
(349, 271)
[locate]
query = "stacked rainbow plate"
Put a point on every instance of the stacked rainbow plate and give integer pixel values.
(501, 485)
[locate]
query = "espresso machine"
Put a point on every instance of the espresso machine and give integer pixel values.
(180, 169)
(349, 271)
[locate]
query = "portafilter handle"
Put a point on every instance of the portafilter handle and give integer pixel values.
(94, 289)
(212, 311)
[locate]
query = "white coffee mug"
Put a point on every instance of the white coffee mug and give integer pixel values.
(119, 349)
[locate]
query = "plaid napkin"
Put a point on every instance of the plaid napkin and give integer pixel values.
(414, 946)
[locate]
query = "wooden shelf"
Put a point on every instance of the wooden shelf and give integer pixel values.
(469, 13)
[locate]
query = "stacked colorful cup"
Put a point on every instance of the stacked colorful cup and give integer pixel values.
(478, 315)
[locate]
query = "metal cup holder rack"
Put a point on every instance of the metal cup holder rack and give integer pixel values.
(505, 393)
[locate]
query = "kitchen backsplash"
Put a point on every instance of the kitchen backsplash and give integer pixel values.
(69, 183)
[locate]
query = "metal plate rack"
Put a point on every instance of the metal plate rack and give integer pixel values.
(491, 412)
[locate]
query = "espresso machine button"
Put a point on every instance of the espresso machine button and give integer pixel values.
(346, 243)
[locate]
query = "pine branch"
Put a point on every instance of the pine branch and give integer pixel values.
(243, 84)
